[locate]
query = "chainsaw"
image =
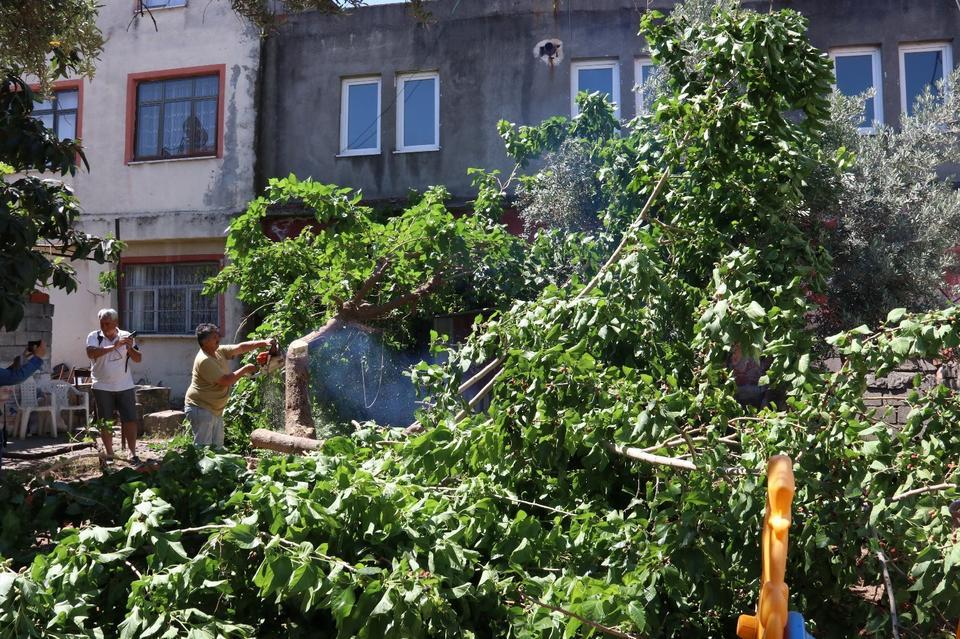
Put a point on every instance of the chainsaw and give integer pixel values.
(271, 360)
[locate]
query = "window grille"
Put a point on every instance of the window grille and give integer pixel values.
(167, 299)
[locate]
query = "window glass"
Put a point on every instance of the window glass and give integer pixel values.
(921, 69)
(854, 73)
(595, 77)
(160, 4)
(60, 113)
(67, 100)
(207, 86)
(177, 118)
(173, 89)
(362, 115)
(591, 80)
(150, 91)
(168, 298)
(67, 126)
(419, 112)
(645, 71)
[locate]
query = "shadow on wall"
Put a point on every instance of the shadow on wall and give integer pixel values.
(356, 376)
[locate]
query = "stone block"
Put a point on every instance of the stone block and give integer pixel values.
(165, 422)
(9, 339)
(894, 382)
(902, 412)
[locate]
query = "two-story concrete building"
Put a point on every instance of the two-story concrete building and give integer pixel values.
(377, 101)
(168, 126)
(186, 120)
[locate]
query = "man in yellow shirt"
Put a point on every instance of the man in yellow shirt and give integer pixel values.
(211, 381)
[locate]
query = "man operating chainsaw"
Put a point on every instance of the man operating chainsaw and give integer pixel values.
(211, 380)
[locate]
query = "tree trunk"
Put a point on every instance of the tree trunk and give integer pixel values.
(270, 440)
(298, 420)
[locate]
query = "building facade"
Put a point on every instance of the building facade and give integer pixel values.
(167, 125)
(187, 119)
(377, 101)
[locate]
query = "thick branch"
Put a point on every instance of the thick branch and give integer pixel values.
(369, 311)
(371, 281)
(925, 489)
(894, 622)
(483, 373)
(639, 455)
(282, 443)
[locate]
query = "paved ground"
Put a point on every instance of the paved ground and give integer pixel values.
(76, 451)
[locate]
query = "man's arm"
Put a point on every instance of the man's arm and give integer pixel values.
(93, 352)
(230, 379)
(134, 353)
(11, 377)
(245, 347)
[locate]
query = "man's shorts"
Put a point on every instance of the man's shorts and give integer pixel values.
(125, 402)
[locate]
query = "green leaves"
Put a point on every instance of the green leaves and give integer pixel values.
(35, 211)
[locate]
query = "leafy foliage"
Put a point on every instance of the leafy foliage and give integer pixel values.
(388, 276)
(37, 216)
(534, 518)
(890, 221)
(49, 39)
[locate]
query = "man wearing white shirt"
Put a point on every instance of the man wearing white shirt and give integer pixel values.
(113, 389)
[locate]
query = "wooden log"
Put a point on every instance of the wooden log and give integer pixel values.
(283, 443)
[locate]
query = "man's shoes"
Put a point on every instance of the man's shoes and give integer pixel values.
(108, 460)
(135, 460)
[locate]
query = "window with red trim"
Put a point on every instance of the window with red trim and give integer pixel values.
(177, 117)
(168, 299)
(60, 113)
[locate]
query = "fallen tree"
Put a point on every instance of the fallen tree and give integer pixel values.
(354, 273)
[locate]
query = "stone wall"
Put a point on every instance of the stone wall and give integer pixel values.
(888, 395)
(37, 324)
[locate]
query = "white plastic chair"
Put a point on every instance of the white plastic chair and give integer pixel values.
(28, 405)
(8, 402)
(60, 393)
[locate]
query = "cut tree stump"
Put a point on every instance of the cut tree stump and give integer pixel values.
(282, 443)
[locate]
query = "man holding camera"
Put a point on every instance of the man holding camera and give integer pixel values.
(28, 364)
(109, 349)
(23, 367)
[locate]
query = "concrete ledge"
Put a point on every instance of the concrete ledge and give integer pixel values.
(167, 422)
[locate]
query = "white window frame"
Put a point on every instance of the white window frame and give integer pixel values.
(401, 81)
(638, 64)
(877, 72)
(576, 67)
(345, 85)
(163, 6)
(921, 48)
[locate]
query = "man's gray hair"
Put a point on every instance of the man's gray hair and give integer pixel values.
(108, 313)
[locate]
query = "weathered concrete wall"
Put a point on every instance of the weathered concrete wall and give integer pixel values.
(168, 209)
(483, 52)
